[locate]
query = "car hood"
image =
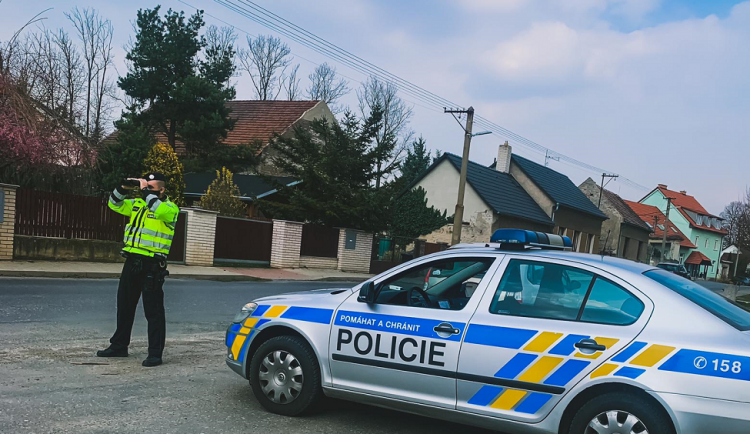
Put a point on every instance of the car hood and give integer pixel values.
(331, 298)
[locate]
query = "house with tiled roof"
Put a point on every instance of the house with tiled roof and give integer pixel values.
(257, 121)
(511, 193)
(704, 229)
(678, 245)
(624, 233)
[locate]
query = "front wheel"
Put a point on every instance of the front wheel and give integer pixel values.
(620, 413)
(285, 376)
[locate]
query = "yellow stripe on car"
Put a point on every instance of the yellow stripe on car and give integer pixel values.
(542, 342)
(604, 370)
(275, 311)
(653, 355)
(508, 399)
(539, 370)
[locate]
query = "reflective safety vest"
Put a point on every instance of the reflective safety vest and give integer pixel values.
(152, 221)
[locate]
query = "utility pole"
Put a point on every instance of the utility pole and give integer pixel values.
(548, 157)
(666, 228)
(601, 186)
(458, 217)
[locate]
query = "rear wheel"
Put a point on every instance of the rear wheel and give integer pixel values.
(285, 376)
(620, 413)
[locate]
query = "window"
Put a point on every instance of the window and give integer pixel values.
(610, 304)
(705, 245)
(649, 225)
(561, 231)
(625, 242)
(591, 243)
(660, 226)
(716, 244)
(728, 311)
(553, 291)
(696, 240)
(445, 284)
(541, 290)
(577, 241)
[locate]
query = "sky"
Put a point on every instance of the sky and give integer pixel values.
(654, 90)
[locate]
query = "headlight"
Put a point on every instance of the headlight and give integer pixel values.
(246, 311)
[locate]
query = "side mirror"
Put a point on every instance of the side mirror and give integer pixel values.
(367, 293)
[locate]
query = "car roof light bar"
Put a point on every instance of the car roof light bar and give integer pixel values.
(520, 239)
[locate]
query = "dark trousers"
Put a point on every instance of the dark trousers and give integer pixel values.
(141, 274)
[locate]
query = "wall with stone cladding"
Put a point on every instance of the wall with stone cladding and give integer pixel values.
(7, 226)
(478, 230)
(285, 244)
(355, 260)
(201, 234)
(318, 262)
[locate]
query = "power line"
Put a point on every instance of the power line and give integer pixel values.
(266, 18)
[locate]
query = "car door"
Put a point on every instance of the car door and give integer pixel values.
(403, 346)
(542, 326)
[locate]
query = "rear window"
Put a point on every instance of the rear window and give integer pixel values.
(728, 311)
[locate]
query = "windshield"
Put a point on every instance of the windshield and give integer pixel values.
(728, 311)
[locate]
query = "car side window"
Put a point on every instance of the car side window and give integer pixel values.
(608, 303)
(541, 290)
(444, 284)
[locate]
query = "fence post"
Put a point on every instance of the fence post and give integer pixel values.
(201, 234)
(355, 251)
(286, 243)
(7, 220)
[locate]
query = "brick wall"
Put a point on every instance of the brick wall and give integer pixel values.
(318, 262)
(7, 225)
(286, 243)
(355, 260)
(201, 234)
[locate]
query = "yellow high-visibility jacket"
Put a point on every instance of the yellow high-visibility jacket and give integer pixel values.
(152, 221)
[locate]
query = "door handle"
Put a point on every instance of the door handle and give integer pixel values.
(590, 344)
(445, 327)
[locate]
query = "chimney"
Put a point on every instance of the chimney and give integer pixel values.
(683, 192)
(504, 152)
(664, 186)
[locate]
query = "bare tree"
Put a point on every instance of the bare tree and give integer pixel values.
(325, 85)
(291, 85)
(95, 34)
(72, 74)
(265, 60)
(394, 136)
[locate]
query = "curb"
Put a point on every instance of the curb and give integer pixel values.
(107, 275)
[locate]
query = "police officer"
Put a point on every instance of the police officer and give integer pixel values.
(148, 237)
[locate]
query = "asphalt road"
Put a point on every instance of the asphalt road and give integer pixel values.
(50, 381)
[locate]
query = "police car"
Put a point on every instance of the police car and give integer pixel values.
(522, 336)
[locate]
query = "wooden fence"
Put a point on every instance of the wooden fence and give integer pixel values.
(61, 215)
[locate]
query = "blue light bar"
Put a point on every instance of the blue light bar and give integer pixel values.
(521, 238)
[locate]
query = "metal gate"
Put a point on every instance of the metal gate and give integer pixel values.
(387, 252)
(243, 240)
(177, 251)
(320, 241)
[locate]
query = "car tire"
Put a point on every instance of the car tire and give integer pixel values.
(614, 408)
(284, 385)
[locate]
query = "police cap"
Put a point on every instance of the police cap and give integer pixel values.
(155, 176)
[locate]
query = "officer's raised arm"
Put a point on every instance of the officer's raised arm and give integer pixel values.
(117, 201)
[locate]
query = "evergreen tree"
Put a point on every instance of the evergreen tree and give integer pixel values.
(161, 158)
(336, 165)
(173, 91)
(124, 158)
(223, 196)
(417, 161)
(413, 218)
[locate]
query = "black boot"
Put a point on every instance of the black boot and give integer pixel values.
(109, 352)
(151, 361)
